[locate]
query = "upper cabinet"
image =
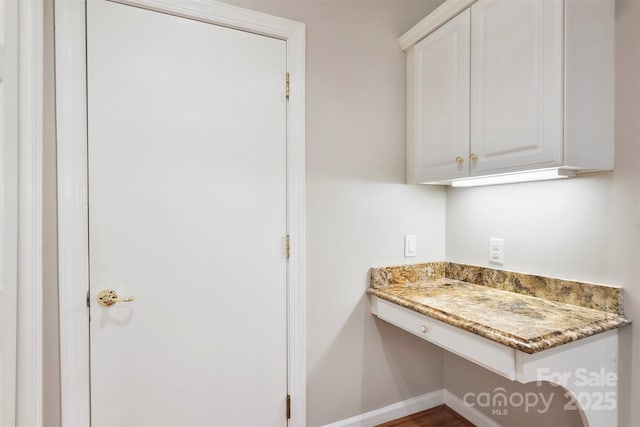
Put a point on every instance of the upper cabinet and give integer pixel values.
(439, 126)
(516, 84)
(498, 86)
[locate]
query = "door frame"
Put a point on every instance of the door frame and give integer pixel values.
(73, 230)
(21, 398)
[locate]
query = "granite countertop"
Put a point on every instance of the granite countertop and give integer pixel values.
(515, 318)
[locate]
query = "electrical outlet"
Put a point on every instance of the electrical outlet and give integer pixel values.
(496, 250)
(409, 245)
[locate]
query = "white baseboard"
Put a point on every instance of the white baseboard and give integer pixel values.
(417, 404)
(394, 411)
(470, 413)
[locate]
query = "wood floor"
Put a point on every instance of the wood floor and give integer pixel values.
(440, 416)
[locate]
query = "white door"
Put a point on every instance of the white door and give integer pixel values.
(187, 214)
(439, 141)
(516, 84)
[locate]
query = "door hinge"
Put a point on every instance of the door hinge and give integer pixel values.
(288, 406)
(88, 299)
(286, 88)
(288, 246)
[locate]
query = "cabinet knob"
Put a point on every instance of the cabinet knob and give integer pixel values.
(459, 161)
(424, 329)
(473, 157)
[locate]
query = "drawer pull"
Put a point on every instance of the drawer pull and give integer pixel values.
(424, 329)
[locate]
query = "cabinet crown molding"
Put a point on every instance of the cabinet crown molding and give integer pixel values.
(441, 15)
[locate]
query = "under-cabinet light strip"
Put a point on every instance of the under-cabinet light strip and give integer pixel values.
(509, 178)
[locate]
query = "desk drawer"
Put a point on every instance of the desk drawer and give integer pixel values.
(489, 354)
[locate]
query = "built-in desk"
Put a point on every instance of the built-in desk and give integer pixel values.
(504, 324)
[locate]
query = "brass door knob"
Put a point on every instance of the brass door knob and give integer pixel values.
(108, 297)
(473, 157)
(459, 161)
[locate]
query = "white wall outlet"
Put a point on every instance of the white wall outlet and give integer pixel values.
(409, 245)
(496, 250)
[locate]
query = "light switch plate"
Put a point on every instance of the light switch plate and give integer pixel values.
(496, 250)
(409, 245)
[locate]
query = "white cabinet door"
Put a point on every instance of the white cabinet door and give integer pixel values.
(516, 84)
(439, 104)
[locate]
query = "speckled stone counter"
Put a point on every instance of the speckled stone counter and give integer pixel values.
(529, 313)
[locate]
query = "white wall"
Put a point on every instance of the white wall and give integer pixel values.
(584, 229)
